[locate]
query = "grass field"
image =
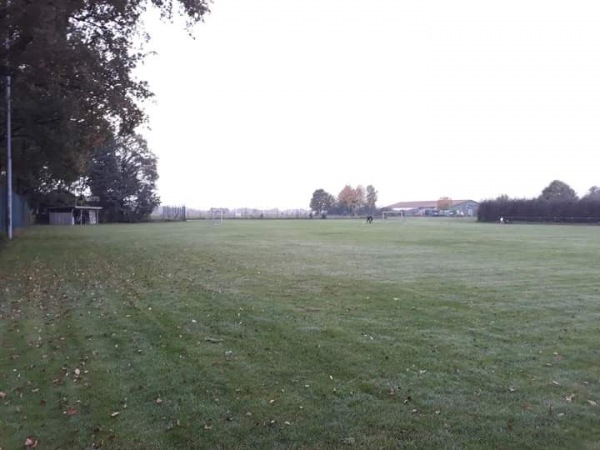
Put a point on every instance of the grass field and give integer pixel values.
(431, 333)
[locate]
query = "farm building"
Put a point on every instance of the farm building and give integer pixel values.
(74, 215)
(430, 208)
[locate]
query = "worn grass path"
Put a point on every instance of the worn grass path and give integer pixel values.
(301, 334)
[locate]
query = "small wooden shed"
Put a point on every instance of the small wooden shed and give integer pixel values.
(74, 215)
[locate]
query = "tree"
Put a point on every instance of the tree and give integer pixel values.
(444, 203)
(360, 198)
(593, 193)
(351, 199)
(371, 198)
(345, 199)
(558, 190)
(123, 176)
(321, 201)
(71, 63)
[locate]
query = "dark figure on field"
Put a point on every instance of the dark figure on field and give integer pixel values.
(369, 219)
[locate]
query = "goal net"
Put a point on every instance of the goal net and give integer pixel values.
(216, 216)
(395, 215)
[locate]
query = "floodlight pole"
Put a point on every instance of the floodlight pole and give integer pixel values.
(9, 204)
(9, 195)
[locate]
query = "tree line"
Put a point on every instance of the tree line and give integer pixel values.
(558, 202)
(350, 201)
(76, 104)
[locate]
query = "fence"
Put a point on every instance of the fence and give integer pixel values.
(246, 213)
(21, 213)
(169, 213)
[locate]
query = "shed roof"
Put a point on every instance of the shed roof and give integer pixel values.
(71, 208)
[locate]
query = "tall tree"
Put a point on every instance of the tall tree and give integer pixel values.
(558, 190)
(371, 198)
(593, 192)
(345, 198)
(321, 201)
(360, 197)
(444, 203)
(351, 199)
(71, 63)
(123, 176)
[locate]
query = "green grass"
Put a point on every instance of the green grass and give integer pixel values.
(431, 333)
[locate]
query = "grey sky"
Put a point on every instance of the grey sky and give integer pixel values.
(423, 99)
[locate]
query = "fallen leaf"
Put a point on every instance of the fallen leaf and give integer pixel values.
(569, 398)
(271, 402)
(207, 427)
(592, 403)
(286, 423)
(158, 401)
(512, 389)
(71, 411)
(2, 394)
(555, 383)
(115, 414)
(31, 442)
(77, 372)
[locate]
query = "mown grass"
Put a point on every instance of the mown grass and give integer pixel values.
(301, 334)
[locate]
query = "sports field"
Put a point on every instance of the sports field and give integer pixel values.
(429, 333)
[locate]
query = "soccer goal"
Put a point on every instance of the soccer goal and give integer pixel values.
(395, 215)
(216, 216)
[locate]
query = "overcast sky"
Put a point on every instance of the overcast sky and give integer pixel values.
(423, 99)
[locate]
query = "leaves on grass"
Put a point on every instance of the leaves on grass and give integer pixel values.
(115, 414)
(31, 442)
(158, 401)
(2, 394)
(71, 411)
(592, 403)
(569, 398)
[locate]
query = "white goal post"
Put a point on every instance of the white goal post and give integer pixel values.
(216, 216)
(398, 215)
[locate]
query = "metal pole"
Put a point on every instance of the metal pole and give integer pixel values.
(9, 204)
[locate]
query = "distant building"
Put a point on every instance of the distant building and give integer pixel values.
(466, 208)
(74, 215)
